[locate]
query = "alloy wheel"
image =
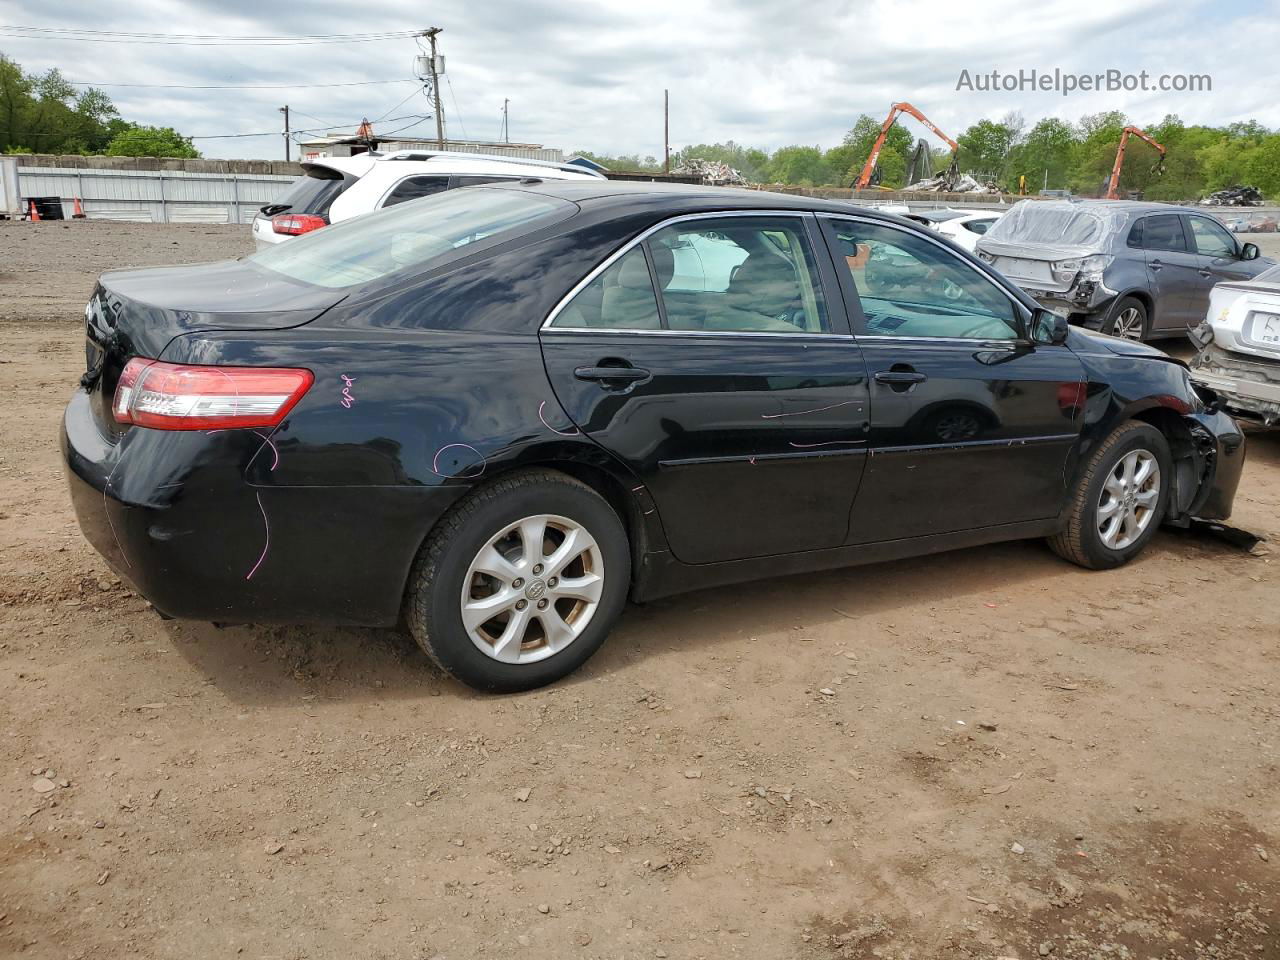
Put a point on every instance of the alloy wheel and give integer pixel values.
(1129, 324)
(532, 589)
(1129, 498)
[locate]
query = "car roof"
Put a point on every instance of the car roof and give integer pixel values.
(451, 161)
(1132, 207)
(675, 197)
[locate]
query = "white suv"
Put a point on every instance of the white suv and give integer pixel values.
(339, 188)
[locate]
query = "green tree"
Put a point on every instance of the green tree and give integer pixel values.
(803, 166)
(142, 141)
(893, 155)
(625, 163)
(1044, 157)
(43, 113)
(986, 146)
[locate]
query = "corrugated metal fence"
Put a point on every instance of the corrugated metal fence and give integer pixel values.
(155, 196)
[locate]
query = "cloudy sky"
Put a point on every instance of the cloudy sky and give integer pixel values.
(591, 74)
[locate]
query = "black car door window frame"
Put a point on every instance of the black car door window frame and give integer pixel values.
(826, 280)
(853, 300)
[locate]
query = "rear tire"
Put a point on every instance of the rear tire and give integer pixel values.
(1128, 320)
(1116, 507)
(545, 624)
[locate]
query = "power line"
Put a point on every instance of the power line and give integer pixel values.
(230, 86)
(396, 107)
(192, 39)
(276, 133)
(456, 111)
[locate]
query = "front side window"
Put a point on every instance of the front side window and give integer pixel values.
(620, 298)
(411, 236)
(911, 287)
(1163, 232)
(739, 275)
(1212, 239)
(412, 188)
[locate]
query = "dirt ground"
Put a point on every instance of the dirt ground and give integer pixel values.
(982, 754)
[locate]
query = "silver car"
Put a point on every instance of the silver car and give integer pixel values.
(1134, 270)
(1239, 343)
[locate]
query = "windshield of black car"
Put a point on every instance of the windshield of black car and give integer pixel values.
(410, 235)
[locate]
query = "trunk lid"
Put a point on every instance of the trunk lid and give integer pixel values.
(136, 313)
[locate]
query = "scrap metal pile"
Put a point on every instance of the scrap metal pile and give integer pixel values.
(711, 172)
(952, 184)
(1237, 196)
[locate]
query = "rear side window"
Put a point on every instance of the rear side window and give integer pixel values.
(620, 298)
(313, 193)
(413, 236)
(1163, 232)
(977, 226)
(413, 188)
(475, 181)
(739, 275)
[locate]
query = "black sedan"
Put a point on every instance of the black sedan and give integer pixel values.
(497, 413)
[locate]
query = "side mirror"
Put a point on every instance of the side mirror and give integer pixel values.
(1249, 252)
(1049, 327)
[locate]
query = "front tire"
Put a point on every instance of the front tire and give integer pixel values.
(1120, 500)
(520, 583)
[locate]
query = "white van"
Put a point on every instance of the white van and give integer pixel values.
(339, 188)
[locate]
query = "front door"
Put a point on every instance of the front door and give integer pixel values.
(971, 423)
(735, 394)
(1219, 259)
(1173, 271)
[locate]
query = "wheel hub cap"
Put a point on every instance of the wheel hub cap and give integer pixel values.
(532, 589)
(1130, 495)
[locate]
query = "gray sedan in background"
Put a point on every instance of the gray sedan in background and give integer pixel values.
(1130, 269)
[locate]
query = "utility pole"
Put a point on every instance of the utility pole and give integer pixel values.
(666, 132)
(285, 111)
(506, 130)
(430, 33)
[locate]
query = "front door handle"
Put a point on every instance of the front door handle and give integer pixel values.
(900, 377)
(1205, 273)
(611, 374)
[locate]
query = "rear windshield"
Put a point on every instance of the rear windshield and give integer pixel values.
(410, 235)
(1054, 224)
(313, 193)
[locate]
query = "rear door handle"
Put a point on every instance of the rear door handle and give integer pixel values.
(1155, 265)
(611, 374)
(900, 376)
(1205, 273)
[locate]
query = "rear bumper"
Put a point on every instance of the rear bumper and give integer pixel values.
(1249, 387)
(173, 515)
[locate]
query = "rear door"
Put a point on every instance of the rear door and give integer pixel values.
(1173, 270)
(735, 393)
(971, 423)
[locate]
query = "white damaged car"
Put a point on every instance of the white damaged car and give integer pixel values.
(1239, 341)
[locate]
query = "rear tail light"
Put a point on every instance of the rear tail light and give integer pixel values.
(292, 224)
(174, 396)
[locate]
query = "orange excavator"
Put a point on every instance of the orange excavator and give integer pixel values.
(1113, 185)
(864, 177)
